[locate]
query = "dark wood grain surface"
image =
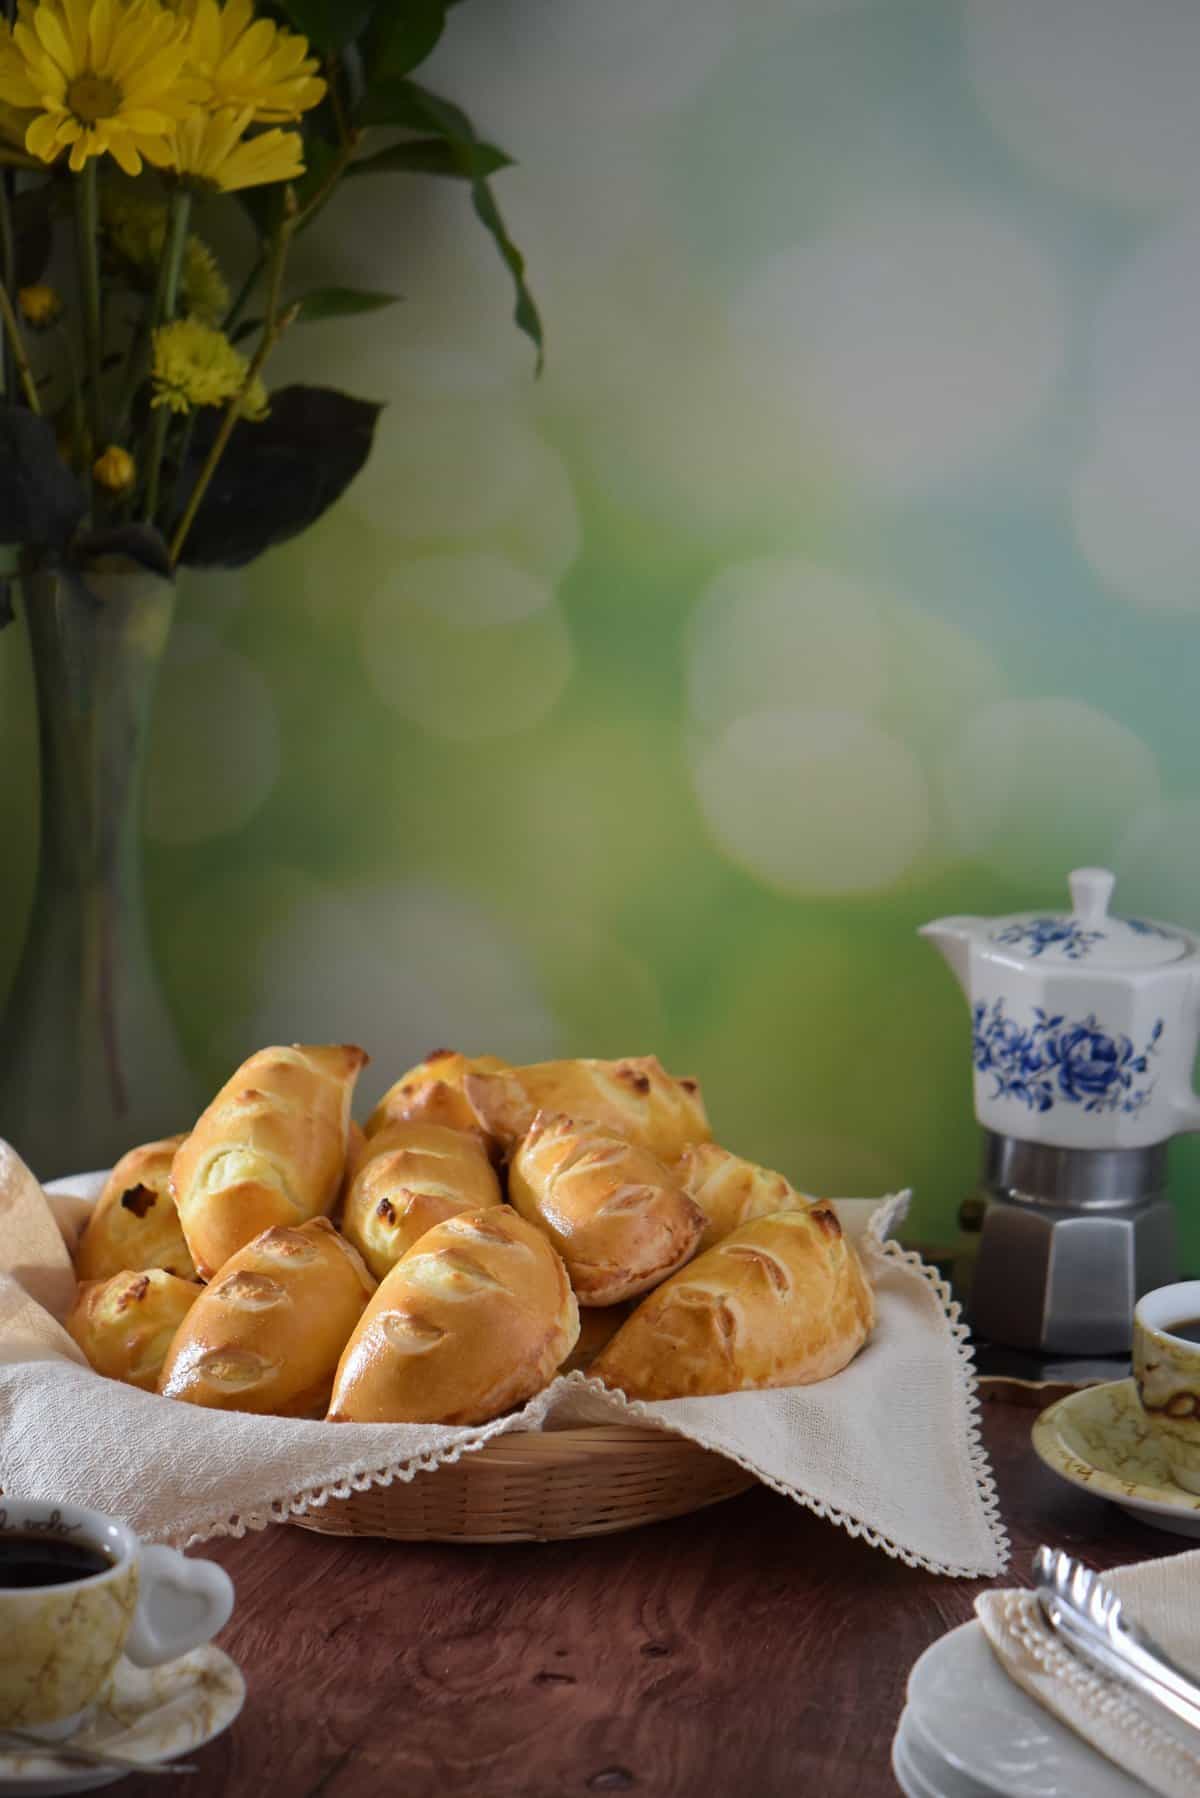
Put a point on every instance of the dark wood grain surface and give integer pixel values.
(748, 1649)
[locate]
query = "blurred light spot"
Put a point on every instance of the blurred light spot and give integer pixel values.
(914, 344)
(400, 968)
(1100, 94)
(1035, 787)
(492, 662)
(814, 802)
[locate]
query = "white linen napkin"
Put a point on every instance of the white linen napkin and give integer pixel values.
(1164, 1598)
(889, 1448)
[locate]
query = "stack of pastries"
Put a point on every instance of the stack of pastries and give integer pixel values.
(492, 1226)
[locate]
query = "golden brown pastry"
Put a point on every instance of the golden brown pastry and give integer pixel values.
(134, 1223)
(266, 1334)
(781, 1302)
(431, 1093)
(598, 1324)
(125, 1324)
(270, 1149)
(356, 1149)
(472, 1321)
(413, 1176)
(636, 1098)
(731, 1191)
(619, 1220)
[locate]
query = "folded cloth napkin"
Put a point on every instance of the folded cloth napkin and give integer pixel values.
(889, 1448)
(1163, 1597)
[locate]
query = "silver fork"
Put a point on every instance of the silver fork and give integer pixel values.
(1087, 1615)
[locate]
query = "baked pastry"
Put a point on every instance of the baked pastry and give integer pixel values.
(731, 1191)
(125, 1324)
(619, 1220)
(134, 1223)
(598, 1324)
(432, 1092)
(267, 1333)
(781, 1302)
(636, 1098)
(270, 1149)
(473, 1320)
(413, 1176)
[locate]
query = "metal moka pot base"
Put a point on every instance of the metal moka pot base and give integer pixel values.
(1069, 1241)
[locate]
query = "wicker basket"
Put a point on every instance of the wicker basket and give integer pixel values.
(540, 1487)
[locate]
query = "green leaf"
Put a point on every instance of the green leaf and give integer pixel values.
(325, 302)
(408, 104)
(430, 156)
(277, 477)
(41, 501)
(328, 24)
(340, 302)
(402, 34)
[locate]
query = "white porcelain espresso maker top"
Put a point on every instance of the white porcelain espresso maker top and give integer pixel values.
(1085, 1024)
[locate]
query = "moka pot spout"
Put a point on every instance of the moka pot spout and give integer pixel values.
(954, 936)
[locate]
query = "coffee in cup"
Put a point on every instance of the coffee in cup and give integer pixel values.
(1166, 1366)
(77, 1589)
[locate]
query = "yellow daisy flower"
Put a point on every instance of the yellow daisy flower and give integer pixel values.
(250, 62)
(137, 230)
(101, 76)
(212, 149)
(195, 365)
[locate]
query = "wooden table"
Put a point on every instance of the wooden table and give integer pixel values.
(749, 1649)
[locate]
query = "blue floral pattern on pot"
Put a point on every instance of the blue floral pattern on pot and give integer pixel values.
(1057, 1061)
(1039, 934)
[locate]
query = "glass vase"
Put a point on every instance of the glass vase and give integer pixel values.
(89, 1062)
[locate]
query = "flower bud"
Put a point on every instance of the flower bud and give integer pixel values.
(114, 470)
(40, 305)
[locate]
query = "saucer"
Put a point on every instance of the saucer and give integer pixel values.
(1099, 1439)
(148, 1713)
(969, 1731)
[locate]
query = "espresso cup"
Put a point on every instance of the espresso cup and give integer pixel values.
(1166, 1367)
(76, 1590)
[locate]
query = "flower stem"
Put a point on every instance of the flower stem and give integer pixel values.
(17, 344)
(337, 169)
(274, 325)
(166, 301)
(78, 421)
(155, 308)
(244, 291)
(87, 225)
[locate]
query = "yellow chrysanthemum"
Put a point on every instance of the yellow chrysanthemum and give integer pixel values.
(39, 305)
(101, 77)
(195, 365)
(212, 149)
(115, 469)
(250, 62)
(137, 230)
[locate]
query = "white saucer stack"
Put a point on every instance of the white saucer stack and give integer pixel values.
(967, 1731)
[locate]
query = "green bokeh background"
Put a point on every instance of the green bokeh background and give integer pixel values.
(840, 572)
